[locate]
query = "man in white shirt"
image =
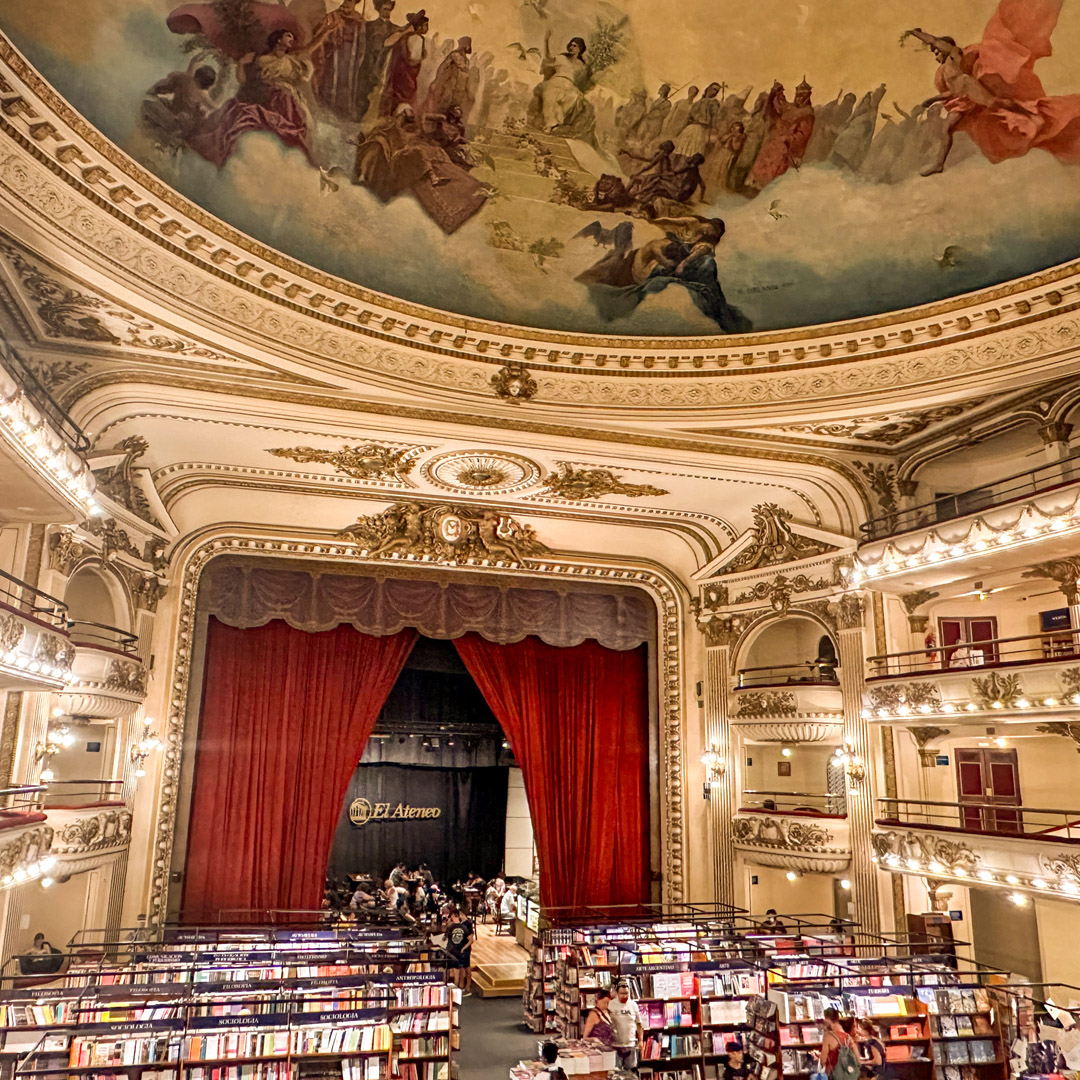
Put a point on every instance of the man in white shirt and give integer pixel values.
(626, 1022)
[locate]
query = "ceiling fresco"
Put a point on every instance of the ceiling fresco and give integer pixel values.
(634, 169)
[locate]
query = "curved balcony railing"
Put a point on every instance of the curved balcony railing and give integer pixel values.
(1032, 823)
(820, 804)
(812, 672)
(25, 599)
(1056, 645)
(994, 493)
(79, 794)
(101, 635)
(42, 400)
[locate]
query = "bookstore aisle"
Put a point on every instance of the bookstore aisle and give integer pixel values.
(493, 1037)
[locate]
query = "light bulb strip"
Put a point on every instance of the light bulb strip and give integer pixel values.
(44, 450)
(1065, 887)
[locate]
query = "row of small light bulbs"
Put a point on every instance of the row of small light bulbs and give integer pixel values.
(958, 551)
(37, 871)
(15, 659)
(50, 451)
(794, 875)
(949, 707)
(1068, 886)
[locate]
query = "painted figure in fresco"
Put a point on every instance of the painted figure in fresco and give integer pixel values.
(408, 50)
(685, 255)
(233, 37)
(338, 61)
(788, 131)
(452, 83)
(403, 155)
(991, 92)
(680, 113)
(373, 68)
(719, 168)
(175, 108)
(829, 120)
(754, 128)
(559, 105)
(270, 98)
(853, 142)
(701, 124)
(652, 123)
(629, 115)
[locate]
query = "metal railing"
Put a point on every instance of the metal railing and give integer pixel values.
(22, 597)
(807, 672)
(993, 652)
(794, 802)
(42, 400)
(1039, 823)
(73, 794)
(994, 493)
(22, 800)
(84, 632)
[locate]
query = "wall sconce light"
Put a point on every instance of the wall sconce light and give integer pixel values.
(58, 736)
(854, 768)
(714, 768)
(144, 747)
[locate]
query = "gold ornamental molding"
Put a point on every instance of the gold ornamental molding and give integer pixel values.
(666, 592)
(58, 170)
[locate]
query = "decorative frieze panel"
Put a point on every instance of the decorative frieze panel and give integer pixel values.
(33, 656)
(794, 842)
(106, 686)
(799, 729)
(79, 831)
(1024, 863)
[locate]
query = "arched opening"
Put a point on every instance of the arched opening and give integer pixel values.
(92, 599)
(788, 651)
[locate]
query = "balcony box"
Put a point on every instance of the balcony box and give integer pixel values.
(807, 841)
(801, 714)
(107, 683)
(85, 837)
(36, 652)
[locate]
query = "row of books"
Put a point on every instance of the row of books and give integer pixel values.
(259, 1070)
(437, 1047)
(146, 1050)
(431, 994)
(416, 1022)
(656, 1014)
(965, 1051)
(948, 1026)
(968, 1000)
(662, 1047)
(377, 1038)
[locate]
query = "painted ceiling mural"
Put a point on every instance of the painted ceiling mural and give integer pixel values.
(579, 165)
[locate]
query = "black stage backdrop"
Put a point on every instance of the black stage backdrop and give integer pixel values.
(469, 833)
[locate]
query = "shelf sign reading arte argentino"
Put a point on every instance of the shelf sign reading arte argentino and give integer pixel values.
(361, 811)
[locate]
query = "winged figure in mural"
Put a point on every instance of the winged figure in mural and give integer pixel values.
(991, 92)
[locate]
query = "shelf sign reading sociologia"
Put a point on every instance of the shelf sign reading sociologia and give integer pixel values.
(361, 811)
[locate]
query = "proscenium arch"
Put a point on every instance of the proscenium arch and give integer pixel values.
(196, 552)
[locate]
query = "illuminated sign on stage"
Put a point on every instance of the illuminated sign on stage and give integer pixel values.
(361, 811)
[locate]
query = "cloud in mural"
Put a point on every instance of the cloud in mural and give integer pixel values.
(605, 168)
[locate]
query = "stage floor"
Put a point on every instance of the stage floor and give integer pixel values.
(499, 963)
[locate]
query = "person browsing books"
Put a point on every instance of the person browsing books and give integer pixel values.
(459, 940)
(598, 1023)
(626, 1023)
(871, 1050)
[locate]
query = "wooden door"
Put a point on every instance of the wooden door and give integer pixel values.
(988, 776)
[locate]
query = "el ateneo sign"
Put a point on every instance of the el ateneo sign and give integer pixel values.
(361, 811)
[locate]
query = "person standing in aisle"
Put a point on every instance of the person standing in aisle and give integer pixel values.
(837, 1055)
(626, 1023)
(598, 1022)
(459, 941)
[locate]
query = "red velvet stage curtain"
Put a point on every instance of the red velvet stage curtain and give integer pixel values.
(285, 716)
(577, 719)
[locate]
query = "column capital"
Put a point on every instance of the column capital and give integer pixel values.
(1055, 431)
(1066, 572)
(721, 631)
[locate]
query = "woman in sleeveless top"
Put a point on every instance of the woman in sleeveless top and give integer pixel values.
(598, 1022)
(835, 1036)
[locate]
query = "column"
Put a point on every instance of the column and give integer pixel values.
(861, 793)
(1066, 572)
(720, 635)
(1055, 438)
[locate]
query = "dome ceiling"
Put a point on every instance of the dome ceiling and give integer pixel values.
(453, 165)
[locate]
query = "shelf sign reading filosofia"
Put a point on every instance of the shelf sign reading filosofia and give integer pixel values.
(361, 811)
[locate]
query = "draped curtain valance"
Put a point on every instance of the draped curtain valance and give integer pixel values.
(249, 595)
